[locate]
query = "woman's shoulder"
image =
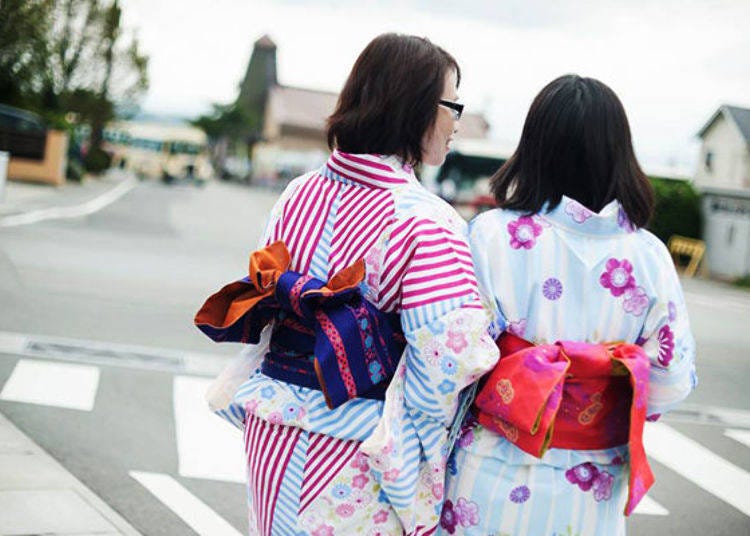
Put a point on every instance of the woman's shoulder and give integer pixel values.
(414, 202)
(491, 222)
(652, 246)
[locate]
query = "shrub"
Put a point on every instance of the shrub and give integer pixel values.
(97, 160)
(677, 209)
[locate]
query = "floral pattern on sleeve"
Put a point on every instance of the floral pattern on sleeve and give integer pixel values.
(667, 340)
(420, 406)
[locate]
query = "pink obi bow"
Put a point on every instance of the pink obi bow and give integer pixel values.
(571, 395)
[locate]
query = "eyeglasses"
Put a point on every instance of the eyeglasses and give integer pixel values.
(456, 108)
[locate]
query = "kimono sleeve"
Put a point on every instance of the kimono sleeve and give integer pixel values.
(273, 228)
(429, 273)
(483, 251)
(668, 341)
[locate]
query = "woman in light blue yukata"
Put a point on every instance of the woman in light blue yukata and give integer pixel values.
(591, 324)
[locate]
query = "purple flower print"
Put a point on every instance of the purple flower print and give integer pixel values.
(523, 232)
(635, 301)
(518, 327)
(466, 512)
(520, 494)
(582, 475)
(672, 308)
(603, 486)
(666, 345)
(448, 517)
(653, 417)
(623, 221)
(618, 277)
(552, 289)
(577, 211)
(466, 438)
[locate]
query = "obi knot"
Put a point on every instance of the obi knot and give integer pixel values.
(326, 335)
(570, 395)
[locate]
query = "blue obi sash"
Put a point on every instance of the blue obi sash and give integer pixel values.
(326, 336)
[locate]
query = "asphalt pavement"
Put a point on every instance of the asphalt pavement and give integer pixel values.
(97, 310)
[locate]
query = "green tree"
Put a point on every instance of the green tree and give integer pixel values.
(58, 56)
(24, 27)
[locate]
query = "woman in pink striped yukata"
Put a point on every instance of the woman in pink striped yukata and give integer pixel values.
(377, 326)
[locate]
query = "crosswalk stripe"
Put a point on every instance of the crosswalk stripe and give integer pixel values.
(650, 507)
(187, 506)
(743, 436)
(207, 446)
(699, 465)
(52, 384)
(720, 302)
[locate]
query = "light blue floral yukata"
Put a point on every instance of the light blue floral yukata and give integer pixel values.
(569, 274)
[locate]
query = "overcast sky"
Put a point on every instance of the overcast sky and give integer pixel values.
(671, 62)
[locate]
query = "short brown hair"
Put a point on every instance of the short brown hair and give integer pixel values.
(391, 97)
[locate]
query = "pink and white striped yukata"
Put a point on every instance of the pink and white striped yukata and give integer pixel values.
(368, 466)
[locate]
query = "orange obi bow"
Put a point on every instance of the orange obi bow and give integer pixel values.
(221, 316)
(570, 395)
(354, 347)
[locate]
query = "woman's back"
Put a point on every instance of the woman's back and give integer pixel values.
(575, 275)
(550, 270)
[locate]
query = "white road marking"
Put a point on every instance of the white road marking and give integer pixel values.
(699, 465)
(11, 343)
(743, 436)
(650, 507)
(207, 446)
(76, 211)
(52, 384)
(187, 506)
(718, 302)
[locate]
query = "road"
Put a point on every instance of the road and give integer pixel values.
(103, 307)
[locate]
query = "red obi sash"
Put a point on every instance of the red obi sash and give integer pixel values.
(570, 395)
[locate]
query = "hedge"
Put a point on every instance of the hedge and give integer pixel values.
(677, 209)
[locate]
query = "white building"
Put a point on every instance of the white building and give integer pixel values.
(725, 153)
(723, 178)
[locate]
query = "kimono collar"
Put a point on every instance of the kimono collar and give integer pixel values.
(573, 216)
(374, 171)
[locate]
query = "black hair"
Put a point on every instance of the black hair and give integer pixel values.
(575, 142)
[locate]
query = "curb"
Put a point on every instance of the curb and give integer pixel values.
(31, 477)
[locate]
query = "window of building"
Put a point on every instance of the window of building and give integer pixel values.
(709, 160)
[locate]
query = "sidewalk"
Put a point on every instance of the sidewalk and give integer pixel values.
(43, 201)
(39, 496)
